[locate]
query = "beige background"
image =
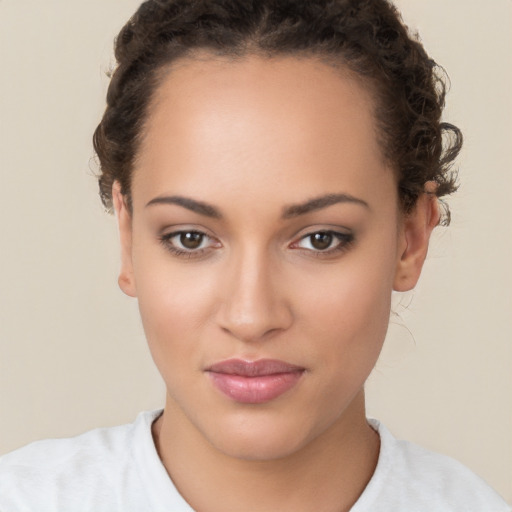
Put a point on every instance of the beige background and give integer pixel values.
(72, 351)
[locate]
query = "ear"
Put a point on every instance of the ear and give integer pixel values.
(417, 227)
(124, 221)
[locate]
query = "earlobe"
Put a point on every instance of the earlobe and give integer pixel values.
(124, 221)
(417, 227)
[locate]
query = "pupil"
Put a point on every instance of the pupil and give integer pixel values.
(191, 240)
(321, 241)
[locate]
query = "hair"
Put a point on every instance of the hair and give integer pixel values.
(367, 37)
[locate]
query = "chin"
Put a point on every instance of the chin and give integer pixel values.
(260, 445)
(260, 437)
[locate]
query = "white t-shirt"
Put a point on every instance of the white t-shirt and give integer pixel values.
(118, 469)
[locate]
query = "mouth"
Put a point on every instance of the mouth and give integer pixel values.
(254, 382)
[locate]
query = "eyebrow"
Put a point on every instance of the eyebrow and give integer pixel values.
(190, 204)
(289, 212)
(318, 203)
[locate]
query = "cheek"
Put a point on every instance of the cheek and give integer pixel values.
(353, 295)
(346, 311)
(352, 322)
(175, 306)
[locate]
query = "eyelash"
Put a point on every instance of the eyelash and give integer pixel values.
(345, 240)
(166, 241)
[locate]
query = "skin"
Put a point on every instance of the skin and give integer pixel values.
(252, 139)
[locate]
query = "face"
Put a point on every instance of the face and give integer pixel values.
(263, 246)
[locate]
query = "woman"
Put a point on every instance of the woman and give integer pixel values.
(275, 169)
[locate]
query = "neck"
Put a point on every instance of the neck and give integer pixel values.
(328, 474)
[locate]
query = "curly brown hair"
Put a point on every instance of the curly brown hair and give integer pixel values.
(366, 36)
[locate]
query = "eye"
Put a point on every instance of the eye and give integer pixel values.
(325, 241)
(187, 242)
(190, 240)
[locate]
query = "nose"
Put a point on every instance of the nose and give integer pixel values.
(254, 304)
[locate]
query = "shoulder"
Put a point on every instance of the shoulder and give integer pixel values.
(410, 477)
(72, 471)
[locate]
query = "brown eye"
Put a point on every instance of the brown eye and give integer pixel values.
(189, 243)
(191, 240)
(326, 242)
(321, 241)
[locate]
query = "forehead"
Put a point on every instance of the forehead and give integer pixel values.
(242, 123)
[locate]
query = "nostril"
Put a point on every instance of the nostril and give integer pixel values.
(263, 326)
(251, 335)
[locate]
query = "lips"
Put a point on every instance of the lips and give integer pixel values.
(254, 382)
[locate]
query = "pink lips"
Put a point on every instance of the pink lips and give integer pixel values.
(254, 382)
